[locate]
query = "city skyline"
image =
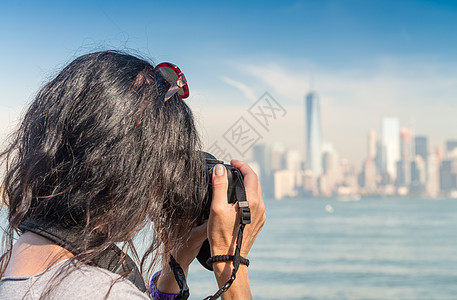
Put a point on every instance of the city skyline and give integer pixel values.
(420, 171)
(396, 162)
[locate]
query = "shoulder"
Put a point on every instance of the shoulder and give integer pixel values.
(90, 282)
(93, 281)
(87, 282)
(68, 280)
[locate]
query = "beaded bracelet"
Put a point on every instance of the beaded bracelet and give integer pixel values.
(155, 293)
(218, 258)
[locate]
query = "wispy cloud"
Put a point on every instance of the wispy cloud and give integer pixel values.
(248, 93)
(387, 81)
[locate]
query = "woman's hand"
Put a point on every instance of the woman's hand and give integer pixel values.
(184, 256)
(224, 223)
(224, 220)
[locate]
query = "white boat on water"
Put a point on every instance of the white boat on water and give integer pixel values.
(351, 198)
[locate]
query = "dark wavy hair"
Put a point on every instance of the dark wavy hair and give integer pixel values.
(100, 150)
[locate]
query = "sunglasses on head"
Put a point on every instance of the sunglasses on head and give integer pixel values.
(173, 75)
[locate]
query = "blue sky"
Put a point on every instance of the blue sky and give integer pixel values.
(366, 59)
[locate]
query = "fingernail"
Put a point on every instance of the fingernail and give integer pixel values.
(220, 170)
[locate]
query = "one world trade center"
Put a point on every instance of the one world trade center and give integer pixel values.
(313, 134)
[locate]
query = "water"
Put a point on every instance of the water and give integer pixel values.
(370, 249)
(376, 248)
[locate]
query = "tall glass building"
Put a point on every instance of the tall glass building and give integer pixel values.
(451, 145)
(262, 156)
(421, 146)
(313, 134)
(391, 146)
(406, 157)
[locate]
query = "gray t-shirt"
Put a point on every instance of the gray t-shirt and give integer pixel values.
(85, 282)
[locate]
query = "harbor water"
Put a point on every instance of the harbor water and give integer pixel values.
(373, 248)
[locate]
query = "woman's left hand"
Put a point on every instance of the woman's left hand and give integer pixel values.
(185, 255)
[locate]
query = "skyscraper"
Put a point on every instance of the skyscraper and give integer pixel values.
(262, 156)
(404, 164)
(450, 146)
(418, 175)
(313, 134)
(433, 175)
(379, 158)
(421, 146)
(391, 146)
(369, 176)
(330, 166)
(277, 161)
(293, 160)
(371, 144)
(448, 175)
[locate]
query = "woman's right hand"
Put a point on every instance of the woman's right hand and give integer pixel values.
(224, 223)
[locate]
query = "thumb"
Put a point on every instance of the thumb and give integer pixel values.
(220, 185)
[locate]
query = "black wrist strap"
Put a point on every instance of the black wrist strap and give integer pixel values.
(236, 264)
(180, 279)
(218, 258)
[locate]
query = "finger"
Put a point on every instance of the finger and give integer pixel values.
(251, 181)
(261, 202)
(250, 177)
(220, 185)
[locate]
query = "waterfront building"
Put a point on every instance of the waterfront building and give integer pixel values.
(372, 144)
(369, 176)
(451, 145)
(421, 146)
(379, 158)
(262, 156)
(404, 164)
(330, 167)
(293, 160)
(418, 175)
(309, 184)
(277, 161)
(433, 175)
(325, 189)
(294, 163)
(284, 184)
(448, 175)
(391, 146)
(439, 154)
(299, 180)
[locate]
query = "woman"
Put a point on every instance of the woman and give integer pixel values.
(106, 148)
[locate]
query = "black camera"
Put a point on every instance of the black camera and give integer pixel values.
(235, 181)
(235, 192)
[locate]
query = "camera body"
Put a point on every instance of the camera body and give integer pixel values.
(233, 176)
(235, 186)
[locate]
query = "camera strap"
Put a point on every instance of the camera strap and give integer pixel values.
(112, 259)
(236, 265)
(180, 279)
